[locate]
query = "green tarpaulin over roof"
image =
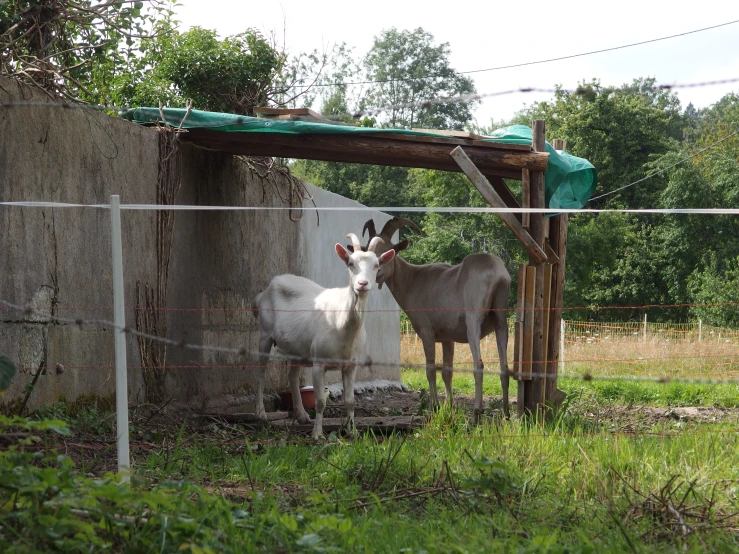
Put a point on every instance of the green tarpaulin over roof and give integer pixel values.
(569, 181)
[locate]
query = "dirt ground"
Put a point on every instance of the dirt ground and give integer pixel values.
(92, 444)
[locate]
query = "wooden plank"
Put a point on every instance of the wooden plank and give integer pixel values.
(517, 342)
(552, 257)
(559, 244)
(534, 400)
(458, 141)
(379, 425)
(520, 313)
(492, 198)
(528, 324)
(545, 313)
(559, 144)
(263, 111)
(309, 119)
(526, 197)
(248, 417)
(443, 132)
(358, 148)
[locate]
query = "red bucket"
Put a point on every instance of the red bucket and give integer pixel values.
(306, 395)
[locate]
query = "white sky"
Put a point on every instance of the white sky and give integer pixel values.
(490, 33)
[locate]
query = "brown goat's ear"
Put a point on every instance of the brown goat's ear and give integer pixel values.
(402, 245)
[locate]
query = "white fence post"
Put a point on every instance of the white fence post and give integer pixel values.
(119, 313)
(700, 331)
(561, 346)
(645, 327)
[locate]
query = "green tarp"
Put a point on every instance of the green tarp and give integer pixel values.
(569, 181)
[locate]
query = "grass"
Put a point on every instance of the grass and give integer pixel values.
(570, 485)
(598, 477)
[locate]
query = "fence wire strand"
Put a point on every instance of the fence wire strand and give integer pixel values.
(330, 362)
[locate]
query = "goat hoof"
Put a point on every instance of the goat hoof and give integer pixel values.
(349, 429)
(302, 418)
(262, 415)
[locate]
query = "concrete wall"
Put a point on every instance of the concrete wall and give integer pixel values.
(59, 259)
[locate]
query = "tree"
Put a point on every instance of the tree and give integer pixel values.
(232, 75)
(618, 130)
(72, 49)
(408, 69)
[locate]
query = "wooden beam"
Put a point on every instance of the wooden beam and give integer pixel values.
(481, 183)
(369, 149)
(529, 323)
(534, 393)
(552, 257)
(506, 195)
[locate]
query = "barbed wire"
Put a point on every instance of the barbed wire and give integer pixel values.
(175, 120)
(369, 209)
(522, 64)
(243, 352)
(396, 310)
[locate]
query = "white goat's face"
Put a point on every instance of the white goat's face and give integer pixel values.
(363, 267)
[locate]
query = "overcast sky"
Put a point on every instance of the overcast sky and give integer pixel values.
(487, 33)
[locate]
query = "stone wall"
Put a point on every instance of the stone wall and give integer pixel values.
(58, 259)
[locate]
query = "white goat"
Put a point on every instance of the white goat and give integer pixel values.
(308, 323)
(450, 303)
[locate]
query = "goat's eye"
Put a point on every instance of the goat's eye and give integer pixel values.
(377, 266)
(350, 264)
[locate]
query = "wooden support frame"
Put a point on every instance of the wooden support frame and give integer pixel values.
(503, 160)
(481, 183)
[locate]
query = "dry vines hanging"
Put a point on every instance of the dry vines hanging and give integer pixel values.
(151, 301)
(270, 173)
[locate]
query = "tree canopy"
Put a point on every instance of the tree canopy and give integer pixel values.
(132, 53)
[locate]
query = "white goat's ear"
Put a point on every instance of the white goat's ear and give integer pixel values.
(387, 257)
(343, 253)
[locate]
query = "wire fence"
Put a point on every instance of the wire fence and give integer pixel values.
(663, 351)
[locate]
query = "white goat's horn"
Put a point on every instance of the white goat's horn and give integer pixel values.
(373, 244)
(355, 242)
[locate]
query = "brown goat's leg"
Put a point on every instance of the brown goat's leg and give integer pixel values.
(501, 339)
(447, 370)
(473, 336)
(429, 349)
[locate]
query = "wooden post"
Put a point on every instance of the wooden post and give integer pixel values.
(525, 197)
(546, 313)
(555, 342)
(518, 339)
(556, 332)
(534, 389)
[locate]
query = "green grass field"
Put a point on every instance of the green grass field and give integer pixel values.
(601, 476)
